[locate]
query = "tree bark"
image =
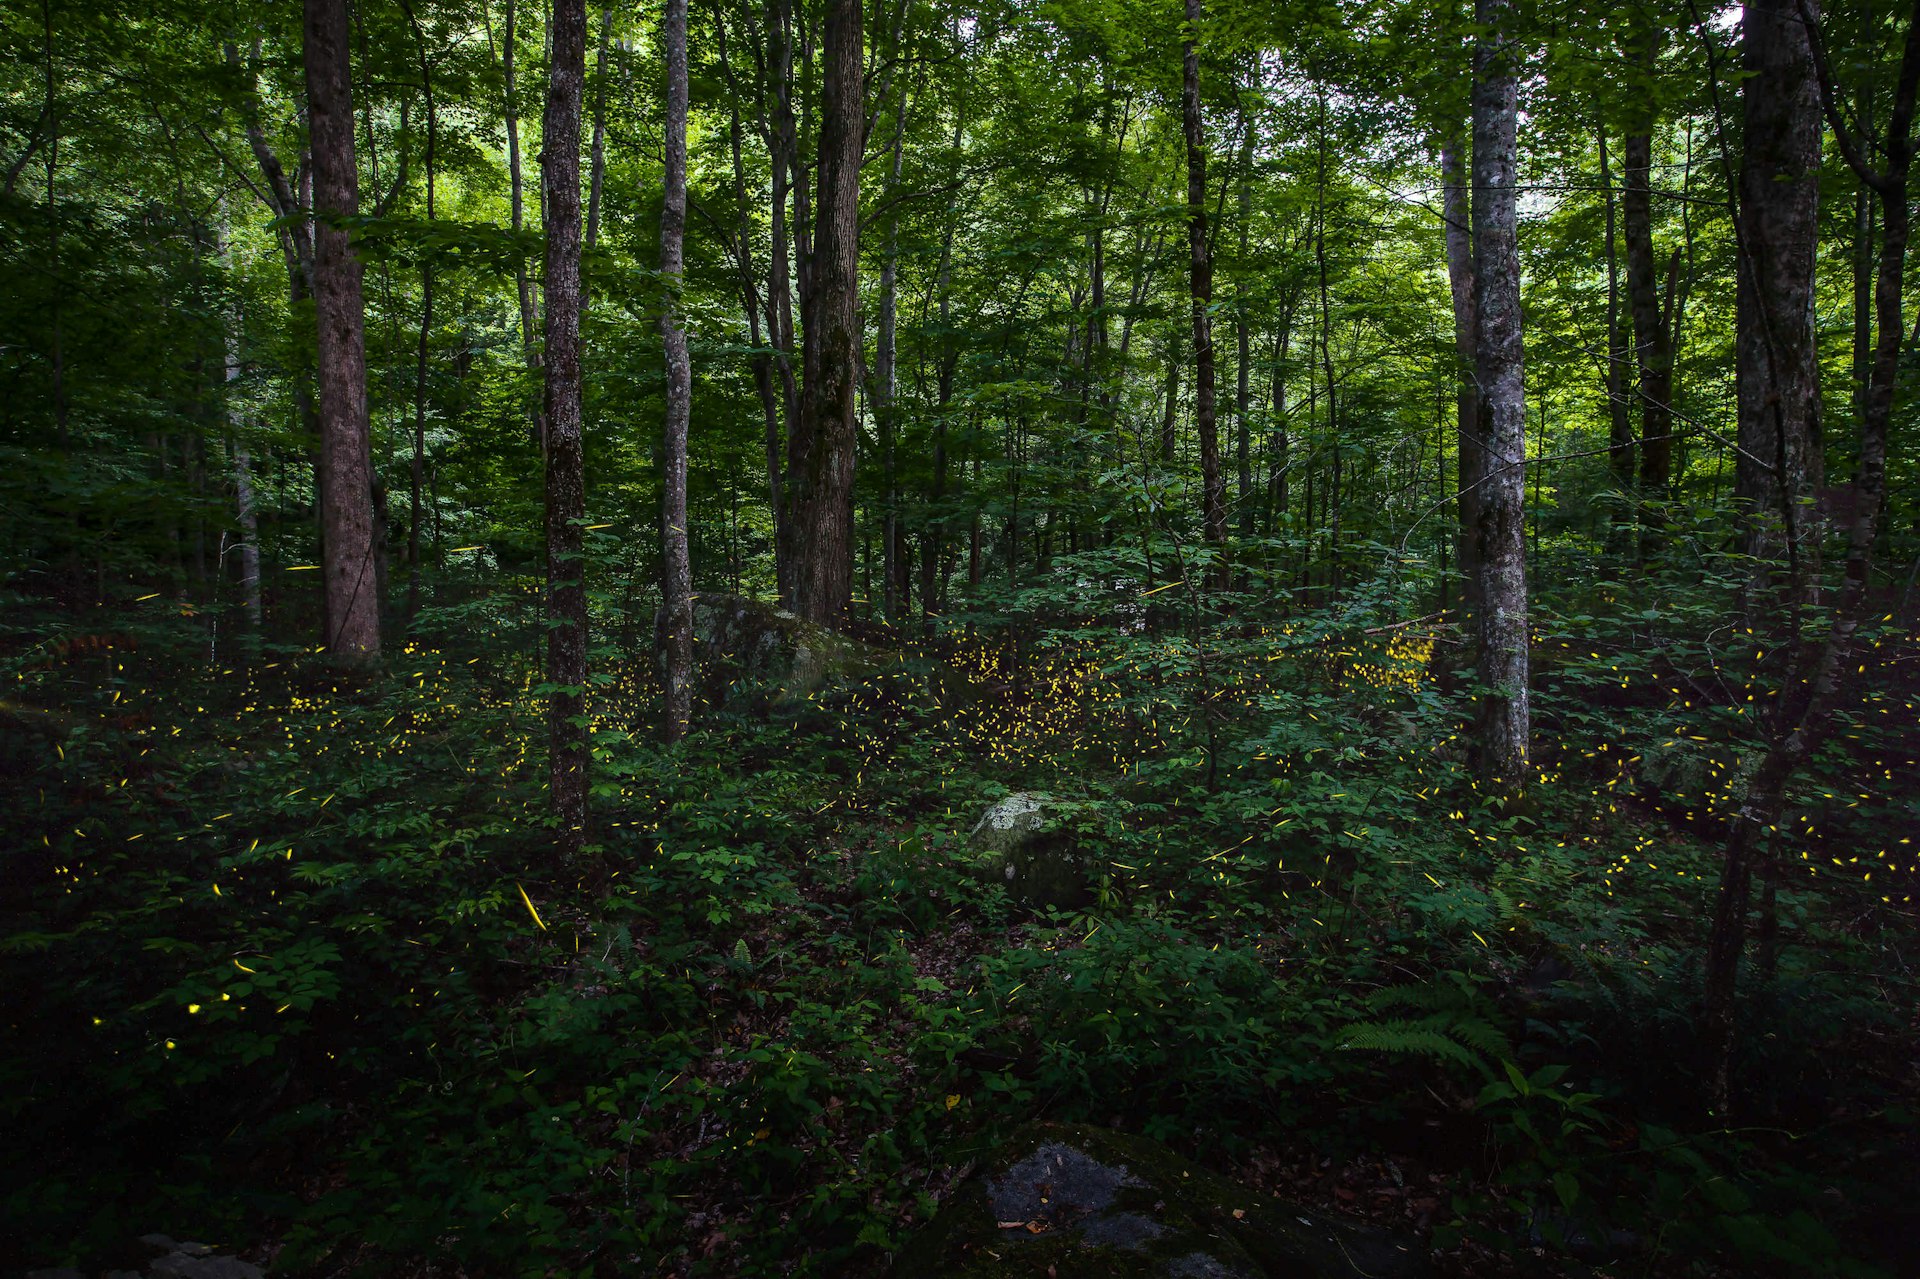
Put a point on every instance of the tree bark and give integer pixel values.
(771, 405)
(1805, 719)
(353, 606)
(566, 471)
(1171, 415)
(1778, 466)
(517, 209)
(1243, 343)
(894, 584)
(245, 514)
(597, 156)
(1213, 492)
(1619, 376)
(1504, 711)
(1652, 337)
(416, 472)
(820, 450)
(1469, 442)
(676, 573)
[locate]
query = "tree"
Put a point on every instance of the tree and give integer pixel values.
(1469, 442)
(1213, 492)
(1653, 315)
(1778, 466)
(1498, 368)
(817, 538)
(1805, 718)
(346, 466)
(676, 573)
(569, 755)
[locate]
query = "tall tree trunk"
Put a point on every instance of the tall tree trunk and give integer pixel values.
(676, 572)
(1469, 440)
(1170, 416)
(1652, 338)
(566, 469)
(783, 155)
(416, 472)
(1863, 265)
(933, 552)
(894, 587)
(1805, 719)
(1504, 719)
(56, 352)
(353, 605)
(1279, 442)
(597, 155)
(294, 233)
(1330, 496)
(771, 404)
(516, 187)
(1619, 377)
(1243, 344)
(1213, 491)
(820, 451)
(245, 514)
(1778, 466)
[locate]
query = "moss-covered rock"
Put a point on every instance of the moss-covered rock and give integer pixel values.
(1074, 1202)
(746, 644)
(1024, 842)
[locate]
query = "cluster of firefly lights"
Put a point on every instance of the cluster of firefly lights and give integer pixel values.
(1064, 692)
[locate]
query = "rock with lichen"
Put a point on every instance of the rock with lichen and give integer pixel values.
(1075, 1202)
(748, 647)
(1025, 842)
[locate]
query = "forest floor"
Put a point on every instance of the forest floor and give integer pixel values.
(309, 939)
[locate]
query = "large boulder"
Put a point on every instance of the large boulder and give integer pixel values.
(1074, 1202)
(743, 643)
(1024, 842)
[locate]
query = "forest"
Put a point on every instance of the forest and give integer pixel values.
(975, 638)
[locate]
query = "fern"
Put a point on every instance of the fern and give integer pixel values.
(1408, 1037)
(1456, 1025)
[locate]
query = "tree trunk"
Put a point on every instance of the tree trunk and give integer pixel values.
(1243, 342)
(1213, 491)
(1779, 465)
(597, 156)
(1619, 376)
(933, 550)
(517, 208)
(1470, 443)
(353, 605)
(1652, 341)
(245, 515)
(566, 470)
(1170, 416)
(416, 472)
(676, 573)
(1805, 718)
(1862, 298)
(783, 153)
(771, 404)
(820, 451)
(1504, 718)
(885, 388)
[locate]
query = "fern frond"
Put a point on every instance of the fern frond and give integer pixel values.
(1407, 1037)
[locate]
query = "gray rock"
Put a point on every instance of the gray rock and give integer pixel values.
(742, 643)
(57, 1273)
(1074, 1202)
(1022, 841)
(180, 1265)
